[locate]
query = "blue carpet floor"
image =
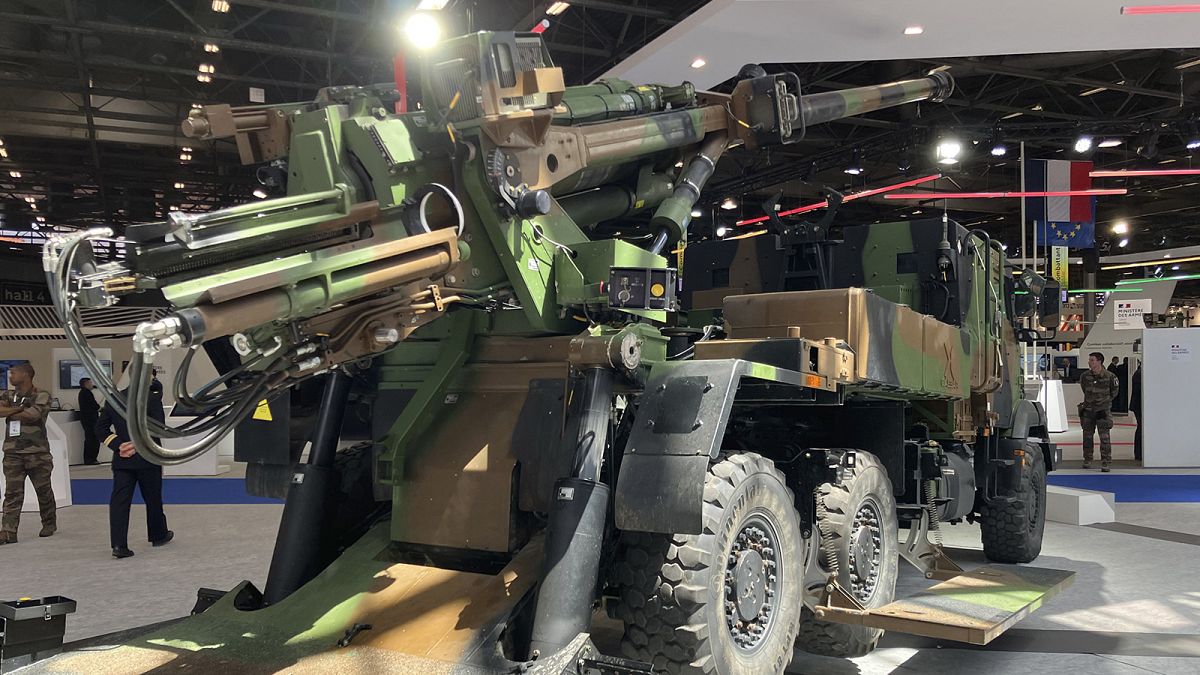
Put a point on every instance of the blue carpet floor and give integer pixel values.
(1135, 487)
(175, 491)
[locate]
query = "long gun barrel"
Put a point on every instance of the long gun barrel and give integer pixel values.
(835, 105)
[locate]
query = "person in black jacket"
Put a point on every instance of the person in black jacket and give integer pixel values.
(89, 411)
(129, 470)
(1135, 407)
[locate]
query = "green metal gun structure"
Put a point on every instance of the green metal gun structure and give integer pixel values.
(723, 458)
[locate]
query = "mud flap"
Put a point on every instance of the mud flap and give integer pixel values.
(974, 607)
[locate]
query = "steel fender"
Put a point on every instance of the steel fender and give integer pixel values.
(1028, 415)
(661, 493)
(679, 428)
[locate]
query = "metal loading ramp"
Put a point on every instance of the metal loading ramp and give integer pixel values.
(974, 607)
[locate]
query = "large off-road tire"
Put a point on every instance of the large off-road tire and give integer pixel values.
(1012, 532)
(859, 538)
(706, 603)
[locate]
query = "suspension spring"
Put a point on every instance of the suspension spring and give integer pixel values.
(935, 518)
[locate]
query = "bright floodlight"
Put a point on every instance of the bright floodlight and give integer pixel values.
(1121, 227)
(1123, 243)
(1083, 144)
(696, 213)
(729, 204)
(423, 31)
(722, 231)
(948, 151)
(999, 150)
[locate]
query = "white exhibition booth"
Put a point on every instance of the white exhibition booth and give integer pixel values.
(1170, 370)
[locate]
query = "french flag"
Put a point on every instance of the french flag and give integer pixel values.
(1058, 175)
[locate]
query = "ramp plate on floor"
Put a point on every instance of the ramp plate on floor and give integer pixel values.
(973, 607)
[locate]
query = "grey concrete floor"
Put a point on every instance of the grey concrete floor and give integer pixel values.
(215, 546)
(1134, 606)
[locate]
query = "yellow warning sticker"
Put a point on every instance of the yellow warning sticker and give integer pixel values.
(263, 411)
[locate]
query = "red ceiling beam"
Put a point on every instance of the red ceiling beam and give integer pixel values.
(1120, 173)
(848, 198)
(1005, 195)
(1159, 9)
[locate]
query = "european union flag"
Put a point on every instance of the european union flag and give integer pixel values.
(1073, 235)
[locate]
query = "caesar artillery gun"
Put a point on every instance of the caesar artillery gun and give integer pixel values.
(535, 447)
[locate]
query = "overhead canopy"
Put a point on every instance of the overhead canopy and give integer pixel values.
(729, 33)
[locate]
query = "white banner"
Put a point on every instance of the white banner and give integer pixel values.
(1129, 314)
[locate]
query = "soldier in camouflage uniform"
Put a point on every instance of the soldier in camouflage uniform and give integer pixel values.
(1100, 387)
(26, 452)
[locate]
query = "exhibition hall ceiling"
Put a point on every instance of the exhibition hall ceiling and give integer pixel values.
(91, 93)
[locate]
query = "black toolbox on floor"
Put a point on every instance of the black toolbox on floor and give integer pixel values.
(32, 629)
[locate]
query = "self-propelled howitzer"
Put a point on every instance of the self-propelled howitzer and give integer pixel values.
(531, 444)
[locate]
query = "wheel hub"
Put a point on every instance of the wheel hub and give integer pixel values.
(751, 582)
(750, 577)
(866, 540)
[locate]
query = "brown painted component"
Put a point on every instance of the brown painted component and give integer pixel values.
(261, 133)
(974, 607)
(443, 615)
(458, 484)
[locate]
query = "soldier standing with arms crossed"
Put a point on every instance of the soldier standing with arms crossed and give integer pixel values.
(26, 452)
(1100, 387)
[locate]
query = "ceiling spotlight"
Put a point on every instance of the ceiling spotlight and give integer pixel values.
(185, 156)
(1110, 143)
(220, 6)
(14, 174)
(948, 151)
(1121, 227)
(722, 231)
(1083, 144)
(696, 213)
(179, 186)
(173, 208)
(914, 30)
(4, 153)
(432, 5)
(41, 219)
(1193, 144)
(197, 106)
(423, 30)
(202, 77)
(854, 169)
(211, 48)
(557, 8)
(699, 62)
(999, 150)
(31, 199)
(1, 142)
(260, 193)
(729, 204)
(1123, 243)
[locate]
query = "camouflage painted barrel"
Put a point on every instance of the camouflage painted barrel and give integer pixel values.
(835, 105)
